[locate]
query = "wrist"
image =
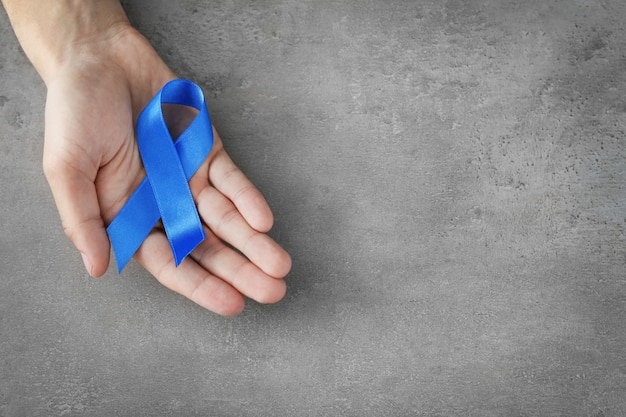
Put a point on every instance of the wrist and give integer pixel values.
(55, 33)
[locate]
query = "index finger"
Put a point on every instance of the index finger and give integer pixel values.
(227, 178)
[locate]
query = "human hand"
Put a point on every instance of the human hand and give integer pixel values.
(93, 165)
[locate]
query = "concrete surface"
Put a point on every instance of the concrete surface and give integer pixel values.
(449, 177)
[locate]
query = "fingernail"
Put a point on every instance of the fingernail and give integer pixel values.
(87, 263)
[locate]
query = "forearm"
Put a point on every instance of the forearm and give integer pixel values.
(53, 32)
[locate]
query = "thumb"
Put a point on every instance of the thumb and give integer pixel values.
(77, 201)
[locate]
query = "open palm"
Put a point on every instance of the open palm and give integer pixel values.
(93, 165)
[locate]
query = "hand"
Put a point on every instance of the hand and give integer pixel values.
(92, 164)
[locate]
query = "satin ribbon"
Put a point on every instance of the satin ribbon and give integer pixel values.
(164, 193)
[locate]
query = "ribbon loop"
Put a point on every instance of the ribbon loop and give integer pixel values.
(164, 193)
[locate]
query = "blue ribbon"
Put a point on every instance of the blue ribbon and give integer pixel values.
(164, 193)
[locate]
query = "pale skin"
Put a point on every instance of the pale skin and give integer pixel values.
(100, 72)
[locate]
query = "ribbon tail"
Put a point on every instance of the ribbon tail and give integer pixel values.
(133, 224)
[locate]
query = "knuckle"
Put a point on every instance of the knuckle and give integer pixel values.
(228, 175)
(70, 231)
(211, 248)
(80, 229)
(251, 241)
(161, 273)
(227, 217)
(243, 191)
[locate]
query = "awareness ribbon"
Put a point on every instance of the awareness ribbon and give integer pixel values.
(164, 193)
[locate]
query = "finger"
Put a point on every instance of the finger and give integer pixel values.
(238, 271)
(77, 202)
(224, 219)
(230, 181)
(188, 279)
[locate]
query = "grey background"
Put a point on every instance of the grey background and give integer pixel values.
(448, 176)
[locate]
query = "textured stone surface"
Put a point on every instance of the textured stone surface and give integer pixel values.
(449, 177)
